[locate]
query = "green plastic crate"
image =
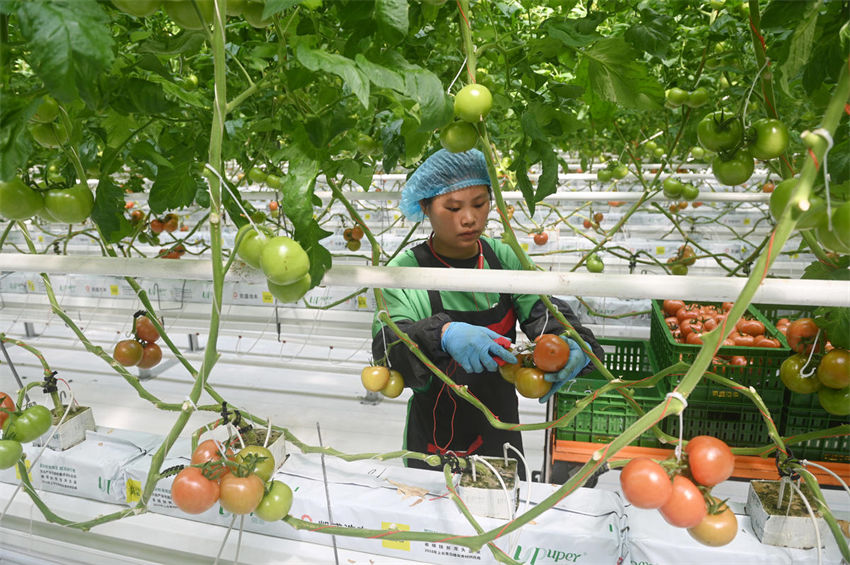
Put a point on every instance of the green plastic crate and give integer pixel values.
(609, 414)
(738, 426)
(803, 413)
(761, 372)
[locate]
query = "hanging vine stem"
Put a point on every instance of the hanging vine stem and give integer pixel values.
(45, 367)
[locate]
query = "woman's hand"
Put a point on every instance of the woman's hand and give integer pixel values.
(578, 360)
(473, 347)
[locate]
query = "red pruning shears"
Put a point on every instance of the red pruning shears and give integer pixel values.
(506, 343)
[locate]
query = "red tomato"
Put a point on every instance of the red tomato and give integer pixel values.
(750, 327)
(551, 353)
(764, 341)
(687, 313)
(801, 334)
(709, 324)
(694, 338)
(726, 306)
(743, 340)
(710, 460)
(690, 325)
(192, 492)
(645, 483)
(241, 495)
(834, 369)
(151, 356)
(209, 450)
(672, 322)
(541, 238)
(686, 507)
(670, 307)
(716, 529)
(128, 352)
(7, 403)
(145, 329)
(738, 360)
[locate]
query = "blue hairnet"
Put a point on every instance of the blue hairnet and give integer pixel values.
(441, 173)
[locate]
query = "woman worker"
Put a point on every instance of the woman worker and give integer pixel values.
(458, 331)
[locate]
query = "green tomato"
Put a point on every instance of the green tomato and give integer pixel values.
(672, 187)
(184, 14)
(697, 97)
(138, 8)
(718, 131)
(253, 13)
(659, 152)
(10, 453)
(836, 401)
(835, 239)
(47, 111)
(252, 243)
(264, 467)
(257, 175)
(604, 175)
(292, 292)
(28, 425)
(679, 270)
(807, 220)
(620, 172)
(458, 137)
(698, 152)
(790, 374)
(650, 146)
(770, 138)
(18, 201)
(52, 135)
(69, 205)
(283, 261)
(676, 96)
(276, 502)
(594, 264)
(733, 171)
(473, 103)
(312, 4)
(689, 192)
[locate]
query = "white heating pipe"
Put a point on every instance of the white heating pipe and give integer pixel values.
(771, 291)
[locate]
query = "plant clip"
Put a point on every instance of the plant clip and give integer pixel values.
(224, 412)
(783, 464)
(451, 458)
(632, 262)
(50, 384)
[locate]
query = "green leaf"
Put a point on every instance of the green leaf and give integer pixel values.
(651, 36)
(355, 79)
(186, 43)
(15, 146)
(147, 97)
(435, 105)
(615, 74)
(800, 45)
(575, 33)
(70, 45)
(391, 17)
(822, 271)
(320, 257)
(380, 76)
(359, 173)
(108, 211)
(520, 167)
(174, 186)
(548, 182)
(276, 6)
(835, 321)
(144, 151)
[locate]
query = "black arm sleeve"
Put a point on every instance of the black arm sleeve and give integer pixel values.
(533, 326)
(424, 333)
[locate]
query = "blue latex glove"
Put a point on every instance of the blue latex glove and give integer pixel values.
(474, 347)
(578, 361)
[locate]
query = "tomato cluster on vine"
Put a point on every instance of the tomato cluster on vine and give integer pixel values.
(352, 237)
(240, 482)
(283, 261)
(141, 351)
(19, 427)
(377, 378)
(548, 354)
(681, 490)
(816, 366)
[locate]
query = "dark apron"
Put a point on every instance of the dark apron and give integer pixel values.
(460, 427)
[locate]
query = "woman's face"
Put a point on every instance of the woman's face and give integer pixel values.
(458, 219)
